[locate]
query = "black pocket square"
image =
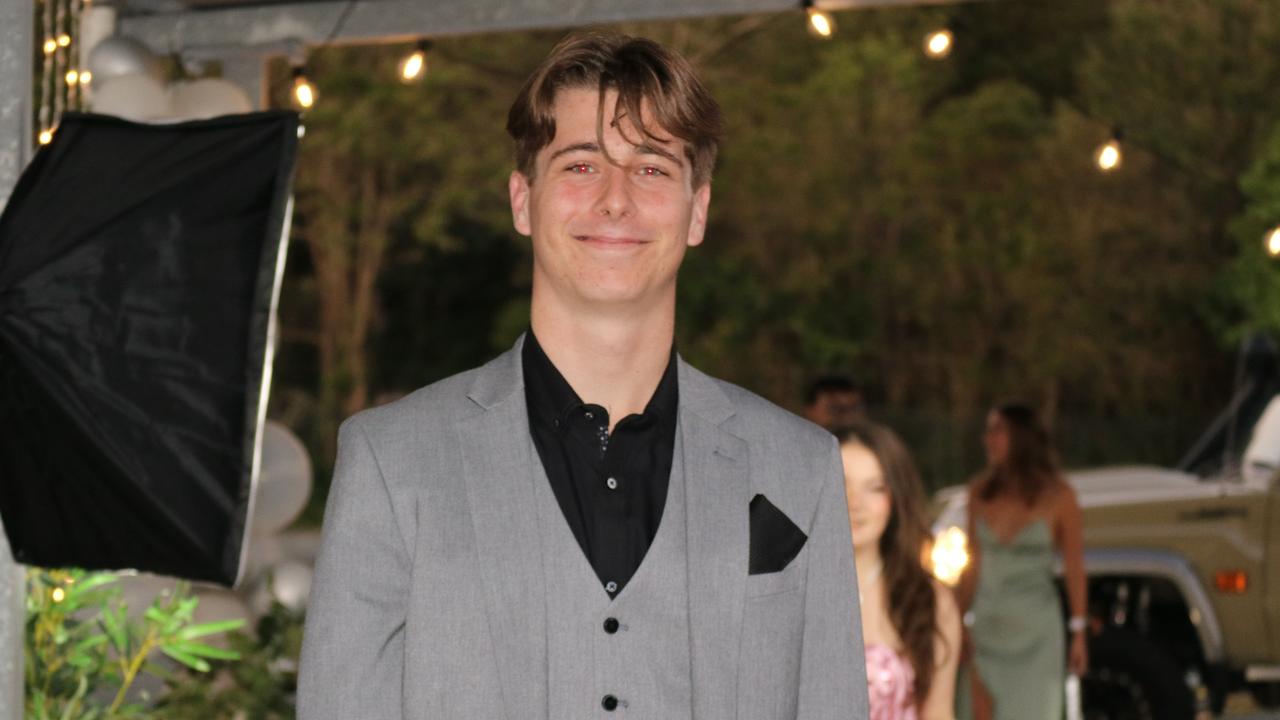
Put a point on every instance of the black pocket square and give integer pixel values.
(775, 540)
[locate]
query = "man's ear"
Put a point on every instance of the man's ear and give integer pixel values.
(698, 218)
(518, 189)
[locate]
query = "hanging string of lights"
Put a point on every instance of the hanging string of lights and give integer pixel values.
(63, 84)
(411, 69)
(821, 23)
(61, 79)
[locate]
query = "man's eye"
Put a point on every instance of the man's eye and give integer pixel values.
(580, 168)
(651, 171)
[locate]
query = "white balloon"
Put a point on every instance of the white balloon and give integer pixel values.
(119, 55)
(135, 97)
(208, 97)
(288, 583)
(291, 584)
(284, 480)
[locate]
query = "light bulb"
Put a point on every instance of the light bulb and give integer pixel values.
(50, 46)
(73, 77)
(1109, 156)
(304, 93)
(86, 77)
(821, 24)
(937, 44)
(64, 40)
(413, 67)
(58, 595)
(1273, 242)
(46, 136)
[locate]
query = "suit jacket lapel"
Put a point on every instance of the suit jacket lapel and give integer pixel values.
(717, 482)
(497, 454)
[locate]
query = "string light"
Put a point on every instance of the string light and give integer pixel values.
(1273, 242)
(938, 43)
(1109, 156)
(46, 136)
(64, 40)
(50, 46)
(304, 93)
(86, 77)
(821, 24)
(413, 67)
(58, 595)
(73, 77)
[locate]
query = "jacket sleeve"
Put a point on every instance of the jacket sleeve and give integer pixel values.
(833, 676)
(353, 645)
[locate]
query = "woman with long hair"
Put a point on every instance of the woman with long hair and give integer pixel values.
(1021, 513)
(910, 622)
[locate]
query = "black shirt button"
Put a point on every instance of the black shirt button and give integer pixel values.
(609, 703)
(611, 625)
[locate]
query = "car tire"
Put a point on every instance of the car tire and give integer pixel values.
(1130, 678)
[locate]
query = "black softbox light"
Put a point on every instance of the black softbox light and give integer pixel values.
(139, 270)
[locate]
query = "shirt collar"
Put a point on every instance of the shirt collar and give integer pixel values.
(551, 398)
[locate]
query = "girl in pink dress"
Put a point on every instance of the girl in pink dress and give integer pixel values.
(910, 622)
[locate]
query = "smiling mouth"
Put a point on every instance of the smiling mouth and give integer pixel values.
(609, 241)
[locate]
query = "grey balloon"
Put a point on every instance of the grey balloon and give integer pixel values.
(121, 55)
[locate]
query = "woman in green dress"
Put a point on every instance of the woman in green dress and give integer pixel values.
(1021, 513)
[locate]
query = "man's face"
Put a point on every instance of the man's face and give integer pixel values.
(606, 233)
(835, 408)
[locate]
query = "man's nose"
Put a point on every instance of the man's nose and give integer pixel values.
(616, 198)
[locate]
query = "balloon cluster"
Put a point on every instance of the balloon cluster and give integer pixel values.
(129, 81)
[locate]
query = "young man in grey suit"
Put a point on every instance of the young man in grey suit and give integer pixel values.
(588, 527)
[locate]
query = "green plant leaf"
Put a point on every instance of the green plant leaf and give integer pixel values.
(202, 650)
(81, 587)
(116, 631)
(190, 661)
(158, 616)
(210, 628)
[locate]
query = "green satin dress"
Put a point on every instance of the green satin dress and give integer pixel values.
(1019, 644)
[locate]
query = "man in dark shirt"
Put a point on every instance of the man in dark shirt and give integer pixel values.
(611, 487)
(587, 525)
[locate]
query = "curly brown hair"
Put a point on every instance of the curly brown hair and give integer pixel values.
(912, 600)
(643, 73)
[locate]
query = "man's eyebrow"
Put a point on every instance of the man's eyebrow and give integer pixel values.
(644, 149)
(583, 146)
(641, 149)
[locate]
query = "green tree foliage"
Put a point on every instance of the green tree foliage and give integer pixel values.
(1250, 285)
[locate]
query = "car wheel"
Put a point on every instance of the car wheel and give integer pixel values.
(1130, 678)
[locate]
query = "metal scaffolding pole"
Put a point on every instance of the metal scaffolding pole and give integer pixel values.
(16, 25)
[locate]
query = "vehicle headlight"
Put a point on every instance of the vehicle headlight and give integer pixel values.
(949, 555)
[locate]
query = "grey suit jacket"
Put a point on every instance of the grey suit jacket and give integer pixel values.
(429, 601)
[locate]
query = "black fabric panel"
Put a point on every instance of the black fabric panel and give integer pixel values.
(137, 266)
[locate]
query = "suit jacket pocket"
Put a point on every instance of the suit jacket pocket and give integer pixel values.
(776, 583)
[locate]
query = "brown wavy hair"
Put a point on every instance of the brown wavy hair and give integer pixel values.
(643, 73)
(912, 601)
(1031, 464)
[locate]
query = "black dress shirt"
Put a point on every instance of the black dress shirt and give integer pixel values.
(611, 488)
